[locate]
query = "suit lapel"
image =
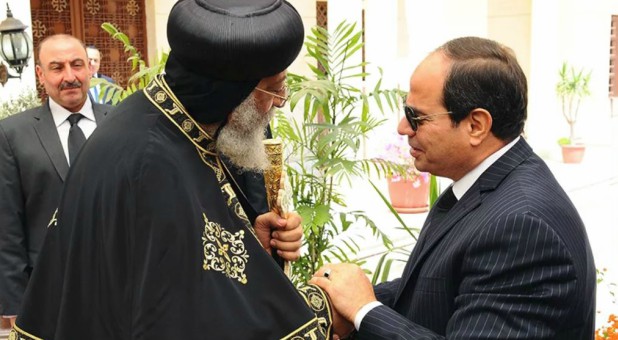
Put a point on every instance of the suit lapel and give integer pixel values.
(487, 182)
(100, 112)
(47, 132)
(433, 233)
(48, 136)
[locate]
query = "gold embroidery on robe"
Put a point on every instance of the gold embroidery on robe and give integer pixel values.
(224, 252)
(17, 333)
(159, 94)
(54, 220)
(319, 327)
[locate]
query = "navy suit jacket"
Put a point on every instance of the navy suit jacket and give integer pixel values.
(33, 167)
(511, 260)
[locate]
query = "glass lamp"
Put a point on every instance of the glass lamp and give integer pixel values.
(15, 44)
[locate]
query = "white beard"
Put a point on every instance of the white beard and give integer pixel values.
(240, 140)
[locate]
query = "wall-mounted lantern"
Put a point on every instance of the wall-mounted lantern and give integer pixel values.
(15, 46)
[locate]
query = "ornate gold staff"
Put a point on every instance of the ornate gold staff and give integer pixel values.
(275, 187)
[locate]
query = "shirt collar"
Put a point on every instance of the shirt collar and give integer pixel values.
(60, 114)
(460, 187)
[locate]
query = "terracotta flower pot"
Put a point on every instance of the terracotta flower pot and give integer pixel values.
(573, 153)
(409, 196)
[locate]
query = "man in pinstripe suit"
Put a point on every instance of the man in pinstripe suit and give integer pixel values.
(509, 258)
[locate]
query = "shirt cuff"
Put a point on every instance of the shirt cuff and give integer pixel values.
(363, 311)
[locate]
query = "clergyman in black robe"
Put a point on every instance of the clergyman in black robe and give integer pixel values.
(152, 239)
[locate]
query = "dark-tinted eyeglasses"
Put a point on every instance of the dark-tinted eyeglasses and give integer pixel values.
(415, 120)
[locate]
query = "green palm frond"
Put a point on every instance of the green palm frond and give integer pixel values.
(325, 142)
(142, 73)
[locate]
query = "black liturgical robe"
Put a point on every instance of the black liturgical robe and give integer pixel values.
(150, 242)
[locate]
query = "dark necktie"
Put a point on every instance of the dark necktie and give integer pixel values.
(76, 136)
(435, 217)
(446, 202)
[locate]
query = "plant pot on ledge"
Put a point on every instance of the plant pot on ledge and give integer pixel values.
(572, 87)
(573, 153)
(409, 195)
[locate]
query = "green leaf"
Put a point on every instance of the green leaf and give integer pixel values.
(324, 142)
(434, 190)
(142, 73)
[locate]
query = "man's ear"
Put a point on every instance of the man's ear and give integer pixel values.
(480, 122)
(39, 73)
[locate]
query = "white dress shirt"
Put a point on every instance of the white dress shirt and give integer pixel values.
(60, 115)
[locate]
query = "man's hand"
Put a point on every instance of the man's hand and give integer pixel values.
(347, 286)
(341, 326)
(284, 234)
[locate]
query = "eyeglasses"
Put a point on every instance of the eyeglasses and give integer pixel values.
(415, 120)
(282, 99)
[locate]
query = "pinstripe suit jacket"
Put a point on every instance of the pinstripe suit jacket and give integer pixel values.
(511, 260)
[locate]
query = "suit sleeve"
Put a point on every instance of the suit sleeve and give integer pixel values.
(385, 292)
(517, 282)
(13, 255)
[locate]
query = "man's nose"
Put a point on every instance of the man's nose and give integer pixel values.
(278, 102)
(404, 128)
(69, 75)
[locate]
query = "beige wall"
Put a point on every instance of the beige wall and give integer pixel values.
(306, 8)
(157, 12)
(508, 21)
(578, 32)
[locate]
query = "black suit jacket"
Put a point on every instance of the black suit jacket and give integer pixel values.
(511, 260)
(33, 167)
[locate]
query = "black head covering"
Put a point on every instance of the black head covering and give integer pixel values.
(221, 49)
(235, 39)
(207, 100)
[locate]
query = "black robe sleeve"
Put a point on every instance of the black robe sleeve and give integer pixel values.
(150, 242)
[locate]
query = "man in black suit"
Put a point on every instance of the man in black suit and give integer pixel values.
(96, 93)
(503, 254)
(34, 153)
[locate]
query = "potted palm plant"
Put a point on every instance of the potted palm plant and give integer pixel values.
(325, 144)
(572, 87)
